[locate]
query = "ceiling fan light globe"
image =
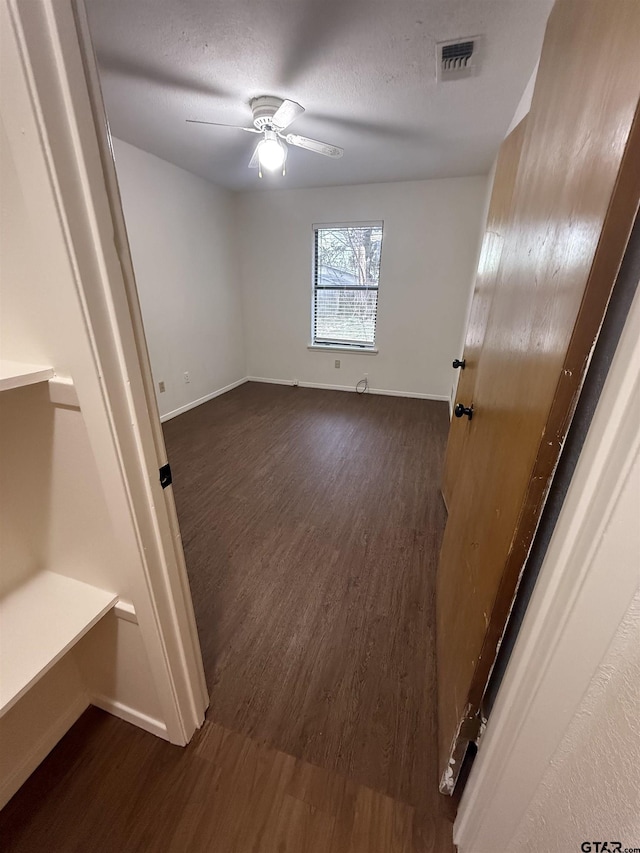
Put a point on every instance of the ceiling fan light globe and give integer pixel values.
(271, 154)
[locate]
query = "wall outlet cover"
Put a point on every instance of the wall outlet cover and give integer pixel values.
(336, 363)
(187, 378)
(161, 386)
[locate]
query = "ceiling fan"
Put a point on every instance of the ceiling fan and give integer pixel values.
(271, 116)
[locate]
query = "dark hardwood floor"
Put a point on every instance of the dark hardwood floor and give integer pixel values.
(311, 523)
(118, 789)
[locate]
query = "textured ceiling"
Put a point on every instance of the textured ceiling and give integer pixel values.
(363, 69)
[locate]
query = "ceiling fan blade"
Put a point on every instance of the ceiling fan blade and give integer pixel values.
(287, 112)
(253, 163)
(314, 145)
(220, 124)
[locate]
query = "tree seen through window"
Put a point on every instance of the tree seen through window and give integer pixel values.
(346, 277)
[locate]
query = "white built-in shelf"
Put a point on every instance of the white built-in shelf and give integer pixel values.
(14, 374)
(39, 622)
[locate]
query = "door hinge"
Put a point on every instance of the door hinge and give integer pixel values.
(165, 476)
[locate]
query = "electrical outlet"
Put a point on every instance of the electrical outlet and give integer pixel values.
(336, 363)
(187, 378)
(161, 387)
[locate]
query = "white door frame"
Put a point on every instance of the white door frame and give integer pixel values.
(55, 50)
(580, 598)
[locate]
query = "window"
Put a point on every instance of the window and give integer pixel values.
(346, 272)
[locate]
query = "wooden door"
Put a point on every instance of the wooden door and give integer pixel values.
(574, 201)
(488, 266)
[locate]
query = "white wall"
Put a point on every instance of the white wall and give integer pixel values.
(181, 236)
(591, 788)
(525, 101)
(428, 254)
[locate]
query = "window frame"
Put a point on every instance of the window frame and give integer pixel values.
(342, 346)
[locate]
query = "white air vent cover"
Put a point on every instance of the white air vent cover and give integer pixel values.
(458, 58)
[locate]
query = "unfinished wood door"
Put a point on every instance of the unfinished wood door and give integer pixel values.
(574, 201)
(488, 266)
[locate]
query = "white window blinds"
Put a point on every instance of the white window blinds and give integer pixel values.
(346, 275)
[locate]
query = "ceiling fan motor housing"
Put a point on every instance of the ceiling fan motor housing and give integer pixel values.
(264, 109)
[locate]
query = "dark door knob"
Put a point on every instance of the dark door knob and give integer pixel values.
(460, 411)
(458, 363)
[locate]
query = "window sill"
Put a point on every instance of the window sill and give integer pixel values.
(335, 348)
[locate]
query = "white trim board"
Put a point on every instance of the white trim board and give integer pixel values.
(62, 392)
(350, 350)
(270, 381)
(384, 392)
(411, 394)
(126, 611)
(201, 400)
(579, 601)
(130, 715)
(57, 81)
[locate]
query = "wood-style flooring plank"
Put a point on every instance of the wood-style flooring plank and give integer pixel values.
(224, 792)
(311, 522)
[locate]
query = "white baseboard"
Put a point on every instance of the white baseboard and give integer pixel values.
(12, 782)
(416, 395)
(202, 400)
(382, 391)
(41, 748)
(270, 381)
(130, 715)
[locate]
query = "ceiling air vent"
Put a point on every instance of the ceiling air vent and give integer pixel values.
(457, 59)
